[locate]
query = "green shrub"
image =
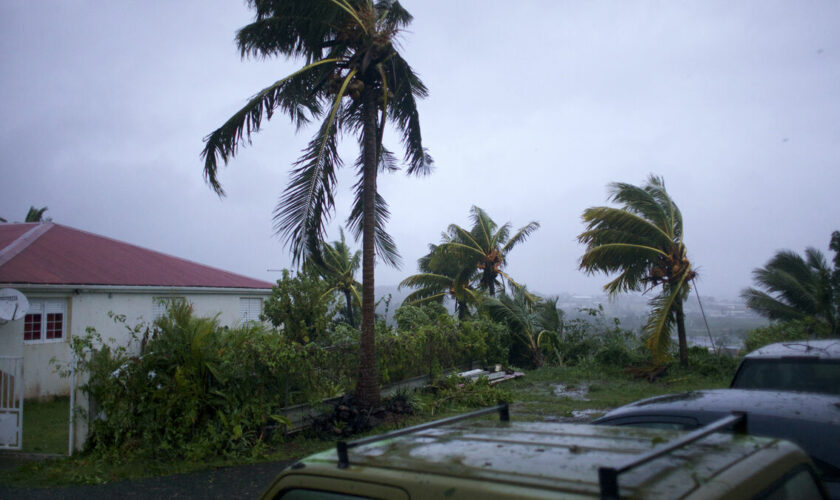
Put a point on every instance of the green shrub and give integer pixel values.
(785, 331)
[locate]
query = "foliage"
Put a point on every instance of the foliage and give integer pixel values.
(796, 288)
(442, 275)
(298, 307)
(337, 265)
(355, 80)
(454, 391)
(642, 241)
(477, 256)
(596, 342)
(36, 214)
(784, 331)
(533, 321)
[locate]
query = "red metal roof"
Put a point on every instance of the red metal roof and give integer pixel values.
(52, 254)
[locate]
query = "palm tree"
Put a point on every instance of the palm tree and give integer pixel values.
(443, 275)
(795, 288)
(485, 247)
(643, 242)
(530, 319)
(354, 80)
(36, 214)
(337, 265)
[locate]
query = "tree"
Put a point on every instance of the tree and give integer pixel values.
(530, 319)
(337, 265)
(35, 214)
(485, 247)
(794, 288)
(443, 274)
(642, 241)
(354, 79)
(299, 306)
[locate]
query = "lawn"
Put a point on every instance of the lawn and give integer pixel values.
(46, 426)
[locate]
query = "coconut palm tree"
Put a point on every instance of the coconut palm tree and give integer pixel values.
(444, 275)
(531, 319)
(642, 241)
(795, 288)
(354, 80)
(336, 264)
(485, 247)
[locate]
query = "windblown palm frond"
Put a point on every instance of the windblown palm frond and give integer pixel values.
(794, 287)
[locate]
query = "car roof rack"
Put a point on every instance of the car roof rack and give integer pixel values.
(343, 446)
(608, 476)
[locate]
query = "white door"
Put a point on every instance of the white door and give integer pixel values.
(11, 402)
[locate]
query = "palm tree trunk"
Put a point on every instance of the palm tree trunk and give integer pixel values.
(367, 386)
(678, 307)
(348, 297)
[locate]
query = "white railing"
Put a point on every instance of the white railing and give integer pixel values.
(11, 402)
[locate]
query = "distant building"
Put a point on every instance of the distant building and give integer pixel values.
(73, 278)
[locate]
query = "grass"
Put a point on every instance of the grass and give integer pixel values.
(46, 426)
(533, 398)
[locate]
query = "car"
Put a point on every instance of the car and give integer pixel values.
(812, 421)
(467, 457)
(806, 365)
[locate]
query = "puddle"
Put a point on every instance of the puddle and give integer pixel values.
(576, 393)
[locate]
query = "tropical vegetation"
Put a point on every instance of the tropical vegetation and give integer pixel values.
(355, 81)
(467, 262)
(336, 264)
(642, 241)
(791, 287)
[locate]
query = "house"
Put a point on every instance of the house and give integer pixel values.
(72, 279)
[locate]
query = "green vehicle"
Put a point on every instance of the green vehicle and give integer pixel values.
(465, 457)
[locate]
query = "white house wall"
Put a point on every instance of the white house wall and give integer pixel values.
(90, 309)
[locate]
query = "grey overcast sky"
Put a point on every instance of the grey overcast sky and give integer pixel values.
(534, 107)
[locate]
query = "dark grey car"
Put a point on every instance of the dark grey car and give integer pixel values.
(806, 365)
(810, 420)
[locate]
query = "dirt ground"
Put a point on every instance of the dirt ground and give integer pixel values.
(244, 481)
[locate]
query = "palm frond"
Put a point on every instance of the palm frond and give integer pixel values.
(304, 209)
(769, 306)
(293, 95)
(407, 88)
(521, 235)
(386, 248)
(295, 29)
(611, 225)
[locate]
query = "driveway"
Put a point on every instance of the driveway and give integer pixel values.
(243, 481)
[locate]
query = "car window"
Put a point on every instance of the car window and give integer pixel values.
(807, 375)
(799, 485)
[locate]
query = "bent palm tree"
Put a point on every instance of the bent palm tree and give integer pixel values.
(795, 288)
(35, 214)
(443, 275)
(485, 247)
(643, 242)
(337, 265)
(354, 80)
(530, 319)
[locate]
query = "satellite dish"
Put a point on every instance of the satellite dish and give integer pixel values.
(13, 304)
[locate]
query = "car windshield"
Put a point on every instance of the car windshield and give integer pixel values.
(807, 375)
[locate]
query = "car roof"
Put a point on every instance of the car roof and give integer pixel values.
(547, 456)
(820, 349)
(823, 408)
(810, 420)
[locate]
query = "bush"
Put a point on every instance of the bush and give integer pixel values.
(785, 331)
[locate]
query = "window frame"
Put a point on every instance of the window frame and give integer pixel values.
(249, 301)
(46, 307)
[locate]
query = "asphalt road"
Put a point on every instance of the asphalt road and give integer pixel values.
(244, 481)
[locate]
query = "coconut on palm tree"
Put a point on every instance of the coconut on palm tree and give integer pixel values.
(355, 81)
(485, 247)
(793, 288)
(642, 241)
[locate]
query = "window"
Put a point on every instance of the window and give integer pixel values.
(250, 308)
(46, 321)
